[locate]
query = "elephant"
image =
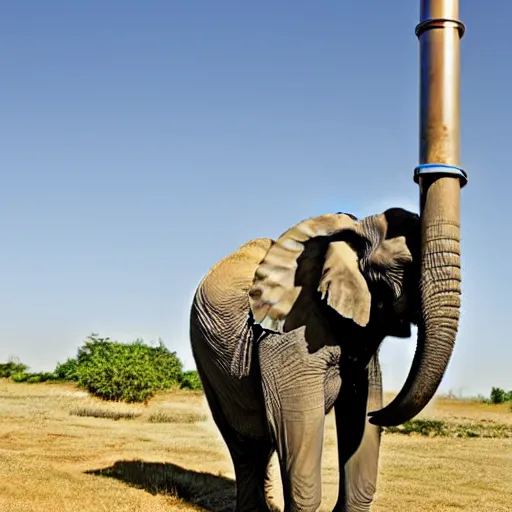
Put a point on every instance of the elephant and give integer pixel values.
(283, 331)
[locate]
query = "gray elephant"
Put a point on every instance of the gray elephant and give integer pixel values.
(283, 331)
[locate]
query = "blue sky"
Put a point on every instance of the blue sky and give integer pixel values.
(142, 141)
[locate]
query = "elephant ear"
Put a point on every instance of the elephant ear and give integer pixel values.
(309, 256)
(344, 285)
(390, 252)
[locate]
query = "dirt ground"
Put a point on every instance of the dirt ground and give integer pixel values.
(53, 460)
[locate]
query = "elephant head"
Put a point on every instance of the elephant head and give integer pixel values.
(371, 273)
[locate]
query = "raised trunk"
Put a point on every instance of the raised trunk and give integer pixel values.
(439, 33)
(440, 299)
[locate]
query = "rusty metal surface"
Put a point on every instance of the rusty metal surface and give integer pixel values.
(439, 34)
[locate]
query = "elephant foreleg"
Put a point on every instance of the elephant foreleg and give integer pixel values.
(358, 440)
(293, 384)
(299, 439)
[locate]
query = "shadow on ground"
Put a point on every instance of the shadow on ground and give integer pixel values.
(210, 492)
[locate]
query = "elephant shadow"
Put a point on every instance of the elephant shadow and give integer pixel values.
(210, 492)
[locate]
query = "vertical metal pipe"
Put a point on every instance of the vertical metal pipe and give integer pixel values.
(439, 33)
(440, 179)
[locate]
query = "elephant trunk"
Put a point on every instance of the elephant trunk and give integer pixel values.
(440, 304)
(439, 33)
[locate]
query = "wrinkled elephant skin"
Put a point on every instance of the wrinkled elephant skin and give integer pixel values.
(296, 405)
(282, 331)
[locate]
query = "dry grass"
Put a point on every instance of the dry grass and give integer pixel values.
(99, 412)
(179, 417)
(51, 460)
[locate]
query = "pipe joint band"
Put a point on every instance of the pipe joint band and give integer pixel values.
(440, 170)
(440, 23)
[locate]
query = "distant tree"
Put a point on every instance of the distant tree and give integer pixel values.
(12, 367)
(498, 395)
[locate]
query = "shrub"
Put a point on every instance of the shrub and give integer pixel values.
(110, 370)
(67, 371)
(190, 380)
(438, 428)
(18, 373)
(498, 395)
(20, 377)
(33, 378)
(129, 372)
(424, 427)
(12, 367)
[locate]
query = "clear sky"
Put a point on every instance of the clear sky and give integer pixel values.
(142, 141)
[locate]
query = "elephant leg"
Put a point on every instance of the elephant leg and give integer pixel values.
(268, 485)
(358, 440)
(250, 456)
(251, 459)
(293, 385)
(299, 439)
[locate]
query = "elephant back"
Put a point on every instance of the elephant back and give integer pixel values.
(224, 289)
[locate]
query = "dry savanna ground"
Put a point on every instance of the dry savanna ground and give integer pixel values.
(58, 454)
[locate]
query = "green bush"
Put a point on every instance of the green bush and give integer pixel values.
(17, 371)
(41, 377)
(12, 367)
(439, 428)
(33, 378)
(20, 377)
(190, 380)
(425, 427)
(129, 372)
(67, 371)
(499, 396)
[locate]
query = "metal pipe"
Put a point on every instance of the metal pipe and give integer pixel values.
(440, 179)
(439, 32)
